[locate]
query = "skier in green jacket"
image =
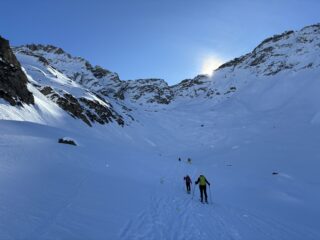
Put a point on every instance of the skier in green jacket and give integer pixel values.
(203, 187)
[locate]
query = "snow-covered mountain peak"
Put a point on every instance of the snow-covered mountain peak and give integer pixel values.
(146, 91)
(69, 82)
(45, 48)
(58, 73)
(75, 68)
(291, 50)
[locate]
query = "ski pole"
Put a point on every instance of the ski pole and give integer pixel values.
(194, 187)
(210, 195)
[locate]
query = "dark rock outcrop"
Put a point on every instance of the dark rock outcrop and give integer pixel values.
(13, 81)
(97, 112)
(67, 141)
(260, 53)
(234, 62)
(46, 48)
(151, 90)
(88, 110)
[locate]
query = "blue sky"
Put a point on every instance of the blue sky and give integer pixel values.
(169, 39)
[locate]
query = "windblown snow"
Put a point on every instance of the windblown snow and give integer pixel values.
(253, 129)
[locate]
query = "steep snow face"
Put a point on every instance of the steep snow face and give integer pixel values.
(287, 53)
(73, 97)
(75, 68)
(19, 99)
(95, 79)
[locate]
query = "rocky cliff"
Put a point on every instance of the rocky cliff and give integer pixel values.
(13, 81)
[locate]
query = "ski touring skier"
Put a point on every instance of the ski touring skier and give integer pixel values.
(188, 182)
(202, 181)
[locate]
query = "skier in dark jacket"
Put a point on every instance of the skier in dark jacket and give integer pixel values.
(188, 181)
(203, 187)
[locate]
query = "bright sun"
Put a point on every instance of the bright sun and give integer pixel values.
(209, 64)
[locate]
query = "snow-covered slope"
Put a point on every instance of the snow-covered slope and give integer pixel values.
(54, 79)
(95, 79)
(252, 129)
(74, 68)
(288, 52)
(126, 183)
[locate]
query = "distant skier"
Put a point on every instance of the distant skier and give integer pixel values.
(188, 181)
(189, 160)
(203, 187)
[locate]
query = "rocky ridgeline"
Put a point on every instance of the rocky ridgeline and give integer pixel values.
(275, 54)
(152, 92)
(291, 50)
(75, 68)
(13, 81)
(88, 110)
(146, 91)
(53, 73)
(98, 79)
(107, 83)
(56, 73)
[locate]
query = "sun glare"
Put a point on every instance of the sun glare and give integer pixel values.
(209, 64)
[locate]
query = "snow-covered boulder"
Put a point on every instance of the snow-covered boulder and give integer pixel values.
(67, 140)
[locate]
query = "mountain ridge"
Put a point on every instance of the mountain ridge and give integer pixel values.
(94, 94)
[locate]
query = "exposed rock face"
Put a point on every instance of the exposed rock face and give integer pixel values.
(98, 79)
(145, 91)
(100, 113)
(47, 48)
(88, 110)
(193, 87)
(13, 81)
(70, 82)
(150, 91)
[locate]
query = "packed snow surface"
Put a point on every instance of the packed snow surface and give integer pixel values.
(127, 183)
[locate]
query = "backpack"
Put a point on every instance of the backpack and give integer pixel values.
(188, 179)
(202, 180)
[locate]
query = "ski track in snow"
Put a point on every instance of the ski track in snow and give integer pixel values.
(174, 218)
(179, 216)
(42, 229)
